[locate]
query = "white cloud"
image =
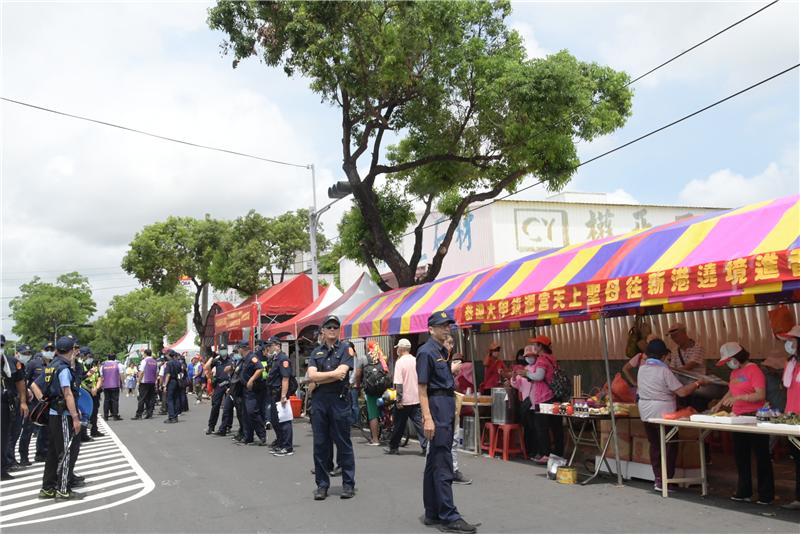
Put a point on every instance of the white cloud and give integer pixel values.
(532, 46)
(620, 196)
(727, 189)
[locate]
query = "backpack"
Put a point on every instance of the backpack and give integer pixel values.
(560, 385)
(374, 379)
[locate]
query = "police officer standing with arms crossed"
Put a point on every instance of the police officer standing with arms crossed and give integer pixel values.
(254, 392)
(328, 367)
(280, 374)
(436, 398)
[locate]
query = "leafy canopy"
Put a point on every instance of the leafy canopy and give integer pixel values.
(42, 306)
(450, 83)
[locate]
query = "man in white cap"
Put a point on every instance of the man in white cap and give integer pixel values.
(690, 356)
(407, 404)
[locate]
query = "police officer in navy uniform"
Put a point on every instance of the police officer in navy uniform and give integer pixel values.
(33, 370)
(254, 394)
(436, 398)
(24, 353)
(234, 400)
(172, 376)
(280, 374)
(328, 367)
(59, 384)
(220, 367)
(14, 400)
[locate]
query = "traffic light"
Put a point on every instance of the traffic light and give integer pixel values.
(339, 190)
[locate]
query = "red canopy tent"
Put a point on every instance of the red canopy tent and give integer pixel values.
(275, 303)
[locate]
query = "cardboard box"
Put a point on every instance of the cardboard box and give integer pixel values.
(640, 450)
(637, 429)
(623, 426)
(624, 446)
(689, 455)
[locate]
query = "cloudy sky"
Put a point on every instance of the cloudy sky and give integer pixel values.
(75, 193)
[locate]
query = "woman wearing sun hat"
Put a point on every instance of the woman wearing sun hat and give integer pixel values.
(746, 394)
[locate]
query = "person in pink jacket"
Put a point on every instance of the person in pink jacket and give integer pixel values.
(791, 381)
(521, 382)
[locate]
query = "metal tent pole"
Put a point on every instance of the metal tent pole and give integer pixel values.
(611, 399)
(476, 431)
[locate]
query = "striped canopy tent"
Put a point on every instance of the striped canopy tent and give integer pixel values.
(735, 257)
(741, 256)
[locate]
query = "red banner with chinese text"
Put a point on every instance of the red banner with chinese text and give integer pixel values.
(236, 319)
(649, 288)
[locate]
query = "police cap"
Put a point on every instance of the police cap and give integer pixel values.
(65, 343)
(273, 340)
(48, 345)
(22, 348)
(440, 318)
(331, 319)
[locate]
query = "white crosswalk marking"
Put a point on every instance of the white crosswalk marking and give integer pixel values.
(113, 477)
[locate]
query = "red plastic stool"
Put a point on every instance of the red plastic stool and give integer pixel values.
(488, 445)
(507, 431)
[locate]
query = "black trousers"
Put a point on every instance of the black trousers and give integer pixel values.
(216, 403)
(545, 425)
(147, 399)
(95, 413)
(529, 425)
(401, 417)
(744, 446)
(110, 402)
(5, 430)
(59, 454)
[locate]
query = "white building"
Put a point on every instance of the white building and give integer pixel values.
(510, 229)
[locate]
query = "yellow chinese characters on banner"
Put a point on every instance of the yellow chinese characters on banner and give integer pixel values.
(730, 275)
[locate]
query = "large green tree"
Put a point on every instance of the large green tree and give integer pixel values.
(450, 84)
(41, 307)
(139, 316)
(164, 252)
(259, 251)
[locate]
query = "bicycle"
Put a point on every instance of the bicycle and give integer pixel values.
(385, 424)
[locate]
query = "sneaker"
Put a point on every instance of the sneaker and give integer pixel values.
(25, 462)
(47, 493)
(220, 433)
(389, 450)
(259, 443)
(348, 492)
(16, 466)
(373, 444)
(95, 434)
(320, 494)
(763, 503)
(459, 478)
(118, 418)
(283, 452)
(740, 499)
(170, 420)
(459, 525)
(540, 459)
(209, 431)
(69, 495)
(74, 483)
(136, 418)
(76, 476)
(85, 438)
(794, 505)
(243, 442)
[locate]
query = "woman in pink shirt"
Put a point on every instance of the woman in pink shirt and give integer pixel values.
(746, 394)
(791, 381)
(522, 383)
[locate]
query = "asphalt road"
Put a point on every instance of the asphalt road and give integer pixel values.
(207, 484)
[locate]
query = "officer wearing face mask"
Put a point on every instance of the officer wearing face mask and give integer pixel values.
(33, 370)
(24, 354)
(220, 367)
(233, 396)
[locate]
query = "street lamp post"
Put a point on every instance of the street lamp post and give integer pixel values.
(55, 334)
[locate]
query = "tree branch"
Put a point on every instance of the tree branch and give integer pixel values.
(374, 270)
(417, 253)
(473, 160)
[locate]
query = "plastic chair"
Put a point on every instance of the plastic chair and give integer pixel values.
(507, 431)
(489, 438)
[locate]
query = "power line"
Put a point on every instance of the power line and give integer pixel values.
(93, 290)
(157, 136)
(704, 41)
(620, 147)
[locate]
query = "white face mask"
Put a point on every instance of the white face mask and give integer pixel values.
(48, 354)
(732, 364)
(530, 359)
(790, 346)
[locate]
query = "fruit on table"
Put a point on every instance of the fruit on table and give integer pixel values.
(786, 419)
(556, 408)
(570, 409)
(721, 413)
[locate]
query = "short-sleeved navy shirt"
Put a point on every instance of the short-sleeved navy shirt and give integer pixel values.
(173, 369)
(34, 368)
(281, 368)
(327, 359)
(251, 365)
(433, 368)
